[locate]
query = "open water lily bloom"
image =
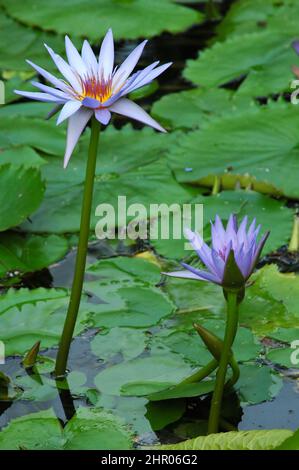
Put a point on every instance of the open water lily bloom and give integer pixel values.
(90, 86)
(236, 240)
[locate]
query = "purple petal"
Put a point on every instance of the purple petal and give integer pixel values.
(202, 275)
(65, 69)
(295, 45)
(184, 274)
(218, 263)
(103, 116)
(68, 109)
(49, 77)
(251, 229)
(232, 225)
(52, 91)
(130, 109)
(91, 103)
(89, 58)
(136, 78)
(35, 95)
(127, 66)
(202, 249)
(152, 75)
(259, 249)
(76, 125)
(74, 58)
(241, 234)
(106, 57)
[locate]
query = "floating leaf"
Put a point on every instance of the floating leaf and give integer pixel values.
(125, 269)
(285, 357)
(160, 414)
(242, 440)
(271, 302)
(21, 156)
(35, 431)
(291, 442)
(92, 429)
(257, 147)
(265, 59)
(29, 109)
(126, 341)
(196, 107)
(22, 191)
(28, 253)
(127, 306)
(27, 44)
(256, 15)
(39, 134)
(143, 376)
(257, 384)
(87, 430)
(87, 19)
(25, 320)
(185, 390)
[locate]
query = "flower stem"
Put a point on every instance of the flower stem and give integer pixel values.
(76, 292)
(202, 373)
(230, 332)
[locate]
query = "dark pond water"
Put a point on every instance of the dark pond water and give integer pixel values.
(281, 412)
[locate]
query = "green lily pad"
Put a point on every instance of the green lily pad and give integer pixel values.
(38, 390)
(196, 107)
(27, 43)
(126, 269)
(39, 134)
(87, 19)
(27, 253)
(35, 431)
(184, 390)
(32, 109)
(264, 58)
(247, 16)
(143, 376)
(24, 319)
(290, 443)
(285, 335)
(22, 191)
(285, 357)
(271, 301)
(188, 345)
(258, 147)
(160, 414)
(21, 156)
(92, 429)
(87, 430)
(127, 306)
(234, 440)
(257, 384)
(128, 342)
(130, 164)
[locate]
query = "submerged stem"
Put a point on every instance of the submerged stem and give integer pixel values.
(230, 332)
(72, 313)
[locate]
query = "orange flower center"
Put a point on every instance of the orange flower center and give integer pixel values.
(99, 89)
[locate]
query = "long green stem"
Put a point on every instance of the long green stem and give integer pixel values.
(230, 332)
(72, 314)
(202, 373)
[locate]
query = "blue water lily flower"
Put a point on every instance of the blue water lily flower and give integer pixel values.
(233, 254)
(94, 87)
